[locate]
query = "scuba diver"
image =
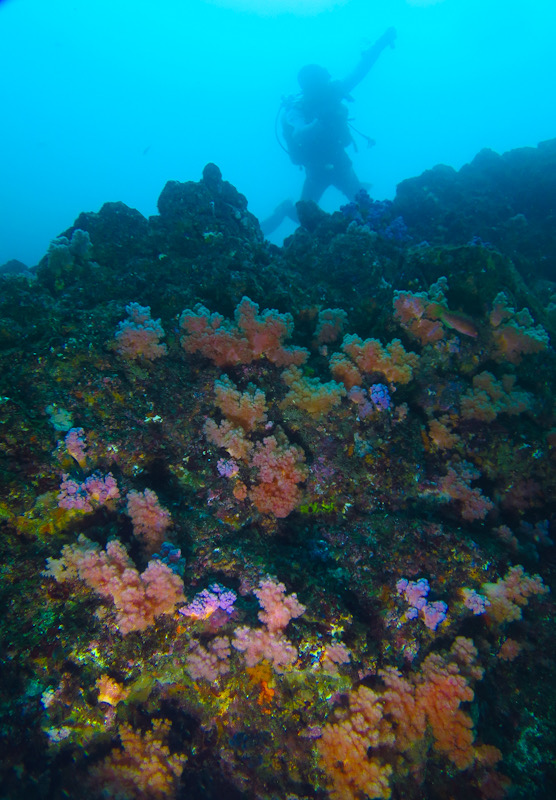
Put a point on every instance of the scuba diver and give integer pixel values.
(316, 130)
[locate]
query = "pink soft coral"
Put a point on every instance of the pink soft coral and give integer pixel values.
(138, 598)
(456, 485)
(249, 337)
(269, 642)
(278, 607)
(258, 644)
(280, 470)
(139, 336)
(150, 520)
(209, 663)
(510, 593)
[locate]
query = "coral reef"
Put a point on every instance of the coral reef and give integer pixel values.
(303, 547)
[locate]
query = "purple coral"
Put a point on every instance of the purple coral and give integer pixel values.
(380, 396)
(415, 593)
(210, 600)
(76, 445)
(227, 467)
(475, 602)
(94, 492)
(434, 613)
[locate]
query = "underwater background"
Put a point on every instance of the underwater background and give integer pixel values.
(277, 499)
(108, 101)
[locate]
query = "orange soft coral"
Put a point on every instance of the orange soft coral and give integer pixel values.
(143, 768)
(514, 332)
(439, 696)
(378, 727)
(344, 749)
(310, 394)
(243, 409)
(490, 397)
(392, 361)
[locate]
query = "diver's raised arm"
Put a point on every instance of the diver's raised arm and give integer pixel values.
(368, 59)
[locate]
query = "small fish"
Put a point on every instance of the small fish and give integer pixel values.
(458, 322)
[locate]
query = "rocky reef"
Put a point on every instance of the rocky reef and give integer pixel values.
(278, 522)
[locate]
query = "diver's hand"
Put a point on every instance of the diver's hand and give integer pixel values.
(388, 38)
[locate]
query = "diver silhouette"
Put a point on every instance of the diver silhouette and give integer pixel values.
(316, 129)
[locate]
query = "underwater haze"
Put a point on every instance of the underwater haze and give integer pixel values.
(107, 101)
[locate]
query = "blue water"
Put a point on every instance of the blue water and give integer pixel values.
(108, 100)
